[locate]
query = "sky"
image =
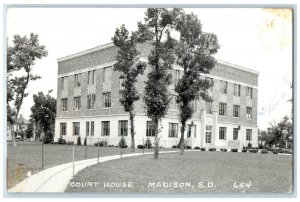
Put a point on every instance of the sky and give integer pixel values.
(254, 38)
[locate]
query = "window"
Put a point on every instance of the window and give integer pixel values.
(236, 111)
(64, 104)
(249, 112)
(173, 102)
(92, 128)
(249, 134)
(222, 133)
(64, 82)
(194, 105)
(150, 132)
(123, 128)
(237, 90)
(107, 100)
(208, 107)
(76, 128)
(223, 87)
(105, 128)
(208, 134)
(211, 82)
(87, 128)
(77, 81)
(249, 92)
(63, 128)
(173, 129)
(91, 77)
(189, 132)
(235, 133)
(77, 103)
(107, 74)
(91, 99)
(222, 109)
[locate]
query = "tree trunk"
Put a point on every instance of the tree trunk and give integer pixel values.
(156, 141)
(181, 143)
(131, 116)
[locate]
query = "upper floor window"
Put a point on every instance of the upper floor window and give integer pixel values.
(77, 81)
(249, 112)
(208, 107)
(222, 133)
(173, 102)
(237, 90)
(91, 99)
(91, 77)
(177, 76)
(123, 128)
(173, 129)
(77, 103)
(64, 104)
(194, 105)
(211, 83)
(236, 111)
(223, 109)
(64, 82)
(223, 87)
(107, 74)
(249, 134)
(249, 92)
(107, 99)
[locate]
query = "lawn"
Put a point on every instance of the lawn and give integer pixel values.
(27, 157)
(193, 172)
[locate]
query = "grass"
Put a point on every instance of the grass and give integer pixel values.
(27, 157)
(267, 173)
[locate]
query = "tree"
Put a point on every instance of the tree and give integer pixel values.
(30, 129)
(130, 68)
(194, 52)
(21, 57)
(44, 113)
(156, 30)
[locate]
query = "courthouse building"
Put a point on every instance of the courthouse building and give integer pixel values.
(88, 93)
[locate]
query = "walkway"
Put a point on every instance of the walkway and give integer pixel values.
(57, 178)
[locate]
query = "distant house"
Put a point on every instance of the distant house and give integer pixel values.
(20, 127)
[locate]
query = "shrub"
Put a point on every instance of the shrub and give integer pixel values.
(141, 146)
(148, 143)
(174, 147)
(111, 145)
(275, 152)
(244, 150)
(223, 150)
(202, 149)
(70, 142)
(47, 139)
(249, 145)
(234, 150)
(84, 143)
(102, 143)
(264, 151)
(212, 149)
(122, 143)
(197, 147)
(61, 141)
(188, 147)
(78, 140)
(253, 150)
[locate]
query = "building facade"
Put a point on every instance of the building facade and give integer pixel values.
(88, 106)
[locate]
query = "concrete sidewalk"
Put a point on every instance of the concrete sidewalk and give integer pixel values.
(57, 178)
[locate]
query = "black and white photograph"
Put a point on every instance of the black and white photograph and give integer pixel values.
(149, 100)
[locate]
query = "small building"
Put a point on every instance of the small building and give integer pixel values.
(20, 127)
(88, 92)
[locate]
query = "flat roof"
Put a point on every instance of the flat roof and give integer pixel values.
(109, 45)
